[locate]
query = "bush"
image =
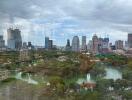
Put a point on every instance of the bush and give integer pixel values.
(8, 80)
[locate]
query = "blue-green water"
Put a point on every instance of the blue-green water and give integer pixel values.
(111, 73)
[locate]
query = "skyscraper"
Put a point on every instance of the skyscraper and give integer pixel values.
(84, 47)
(103, 45)
(75, 44)
(2, 42)
(90, 46)
(100, 44)
(14, 39)
(126, 45)
(119, 44)
(29, 44)
(46, 42)
(106, 43)
(50, 44)
(130, 40)
(68, 47)
(24, 45)
(95, 44)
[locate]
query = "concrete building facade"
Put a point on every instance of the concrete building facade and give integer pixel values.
(14, 39)
(75, 44)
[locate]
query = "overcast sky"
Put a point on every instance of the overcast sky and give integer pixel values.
(62, 19)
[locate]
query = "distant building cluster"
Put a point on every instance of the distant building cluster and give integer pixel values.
(96, 45)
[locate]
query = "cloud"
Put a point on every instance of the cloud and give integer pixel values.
(67, 17)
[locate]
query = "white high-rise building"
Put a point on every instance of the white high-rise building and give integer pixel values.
(90, 46)
(14, 39)
(75, 44)
(84, 47)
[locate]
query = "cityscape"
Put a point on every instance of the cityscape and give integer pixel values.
(65, 50)
(96, 45)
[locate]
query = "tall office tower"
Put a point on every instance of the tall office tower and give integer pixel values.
(90, 46)
(46, 42)
(106, 43)
(84, 47)
(24, 46)
(2, 42)
(130, 40)
(18, 39)
(14, 39)
(105, 46)
(68, 47)
(119, 44)
(50, 44)
(100, 44)
(95, 44)
(29, 44)
(126, 45)
(75, 44)
(10, 39)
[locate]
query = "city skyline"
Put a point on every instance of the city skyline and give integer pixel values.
(84, 40)
(60, 20)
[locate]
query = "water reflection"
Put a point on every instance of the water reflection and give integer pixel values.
(88, 79)
(28, 79)
(113, 73)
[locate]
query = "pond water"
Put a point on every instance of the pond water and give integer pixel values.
(26, 87)
(87, 79)
(28, 79)
(111, 73)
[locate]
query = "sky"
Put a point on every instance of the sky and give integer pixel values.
(63, 19)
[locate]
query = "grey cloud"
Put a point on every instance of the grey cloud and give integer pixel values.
(113, 11)
(88, 14)
(16, 8)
